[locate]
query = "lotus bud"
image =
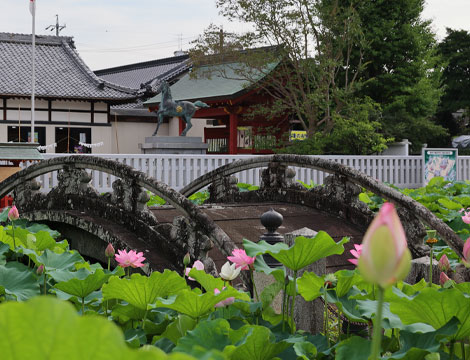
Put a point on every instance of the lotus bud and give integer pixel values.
(109, 252)
(385, 258)
(443, 278)
(466, 253)
(13, 214)
(443, 263)
(40, 269)
(186, 259)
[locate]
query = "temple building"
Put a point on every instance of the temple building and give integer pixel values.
(72, 107)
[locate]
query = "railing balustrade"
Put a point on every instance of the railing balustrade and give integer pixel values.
(179, 170)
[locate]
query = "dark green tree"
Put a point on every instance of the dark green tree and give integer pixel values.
(401, 70)
(455, 52)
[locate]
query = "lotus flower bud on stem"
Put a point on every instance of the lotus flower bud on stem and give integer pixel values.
(443, 278)
(40, 270)
(384, 260)
(443, 263)
(13, 214)
(109, 252)
(186, 259)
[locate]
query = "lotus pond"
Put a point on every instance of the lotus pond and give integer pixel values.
(54, 304)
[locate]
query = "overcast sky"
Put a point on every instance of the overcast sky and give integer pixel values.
(110, 33)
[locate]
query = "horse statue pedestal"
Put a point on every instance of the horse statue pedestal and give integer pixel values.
(173, 145)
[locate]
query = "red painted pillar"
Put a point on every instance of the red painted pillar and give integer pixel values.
(182, 125)
(233, 135)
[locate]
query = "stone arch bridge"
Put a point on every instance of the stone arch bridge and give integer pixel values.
(121, 217)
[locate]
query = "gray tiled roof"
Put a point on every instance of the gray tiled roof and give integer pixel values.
(60, 72)
(146, 73)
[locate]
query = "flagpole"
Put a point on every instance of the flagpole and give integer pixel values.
(33, 82)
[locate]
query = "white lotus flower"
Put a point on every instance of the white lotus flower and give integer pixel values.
(229, 272)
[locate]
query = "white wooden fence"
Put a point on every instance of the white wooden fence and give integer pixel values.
(177, 170)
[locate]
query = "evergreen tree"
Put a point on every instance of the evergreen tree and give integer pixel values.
(401, 70)
(455, 52)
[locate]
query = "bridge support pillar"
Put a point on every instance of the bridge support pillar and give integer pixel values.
(308, 315)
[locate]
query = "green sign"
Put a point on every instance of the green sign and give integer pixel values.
(439, 162)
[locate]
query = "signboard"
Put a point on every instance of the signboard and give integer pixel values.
(297, 135)
(439, 162)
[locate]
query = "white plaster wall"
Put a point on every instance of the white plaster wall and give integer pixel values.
(173, 127)
(26, 103)
(14, 115)
(72, 105)
(197, 129)
(50, 137)
(3, 133)
(101, 106)
(101, 118)
(130, 135)
(102, 134)
(71, 116)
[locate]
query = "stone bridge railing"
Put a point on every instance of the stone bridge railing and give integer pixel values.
(194, 232)
(341, 190)
(126, 204)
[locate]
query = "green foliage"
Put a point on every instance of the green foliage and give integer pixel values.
(444, 198)
(436, 308)
(16, 282)
(161, 317)
(200, 197)
(46, 328)
(455, 53)
(356, 131)
(247, 187)
(141, 291)
(304, 252)
(401, 69)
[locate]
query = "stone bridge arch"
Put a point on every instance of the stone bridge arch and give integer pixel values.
(74, 202)
(339, 195)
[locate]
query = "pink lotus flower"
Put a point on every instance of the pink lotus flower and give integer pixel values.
(443, 263)
(198, 265)
(356, 252)
(466, 217)
(241, 259)
(225, 302)
(13, 214)
(466, 253)
(443, 278)
(131, 258)
(385, 258)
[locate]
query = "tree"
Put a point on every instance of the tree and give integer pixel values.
(401, 71)
(306, 40)
(455, 52)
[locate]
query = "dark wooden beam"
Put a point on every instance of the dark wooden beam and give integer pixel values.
(49, 110)
(4, 109)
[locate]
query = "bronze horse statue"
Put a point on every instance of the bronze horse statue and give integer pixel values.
(181, 109)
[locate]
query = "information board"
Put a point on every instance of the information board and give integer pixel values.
(439, 162)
